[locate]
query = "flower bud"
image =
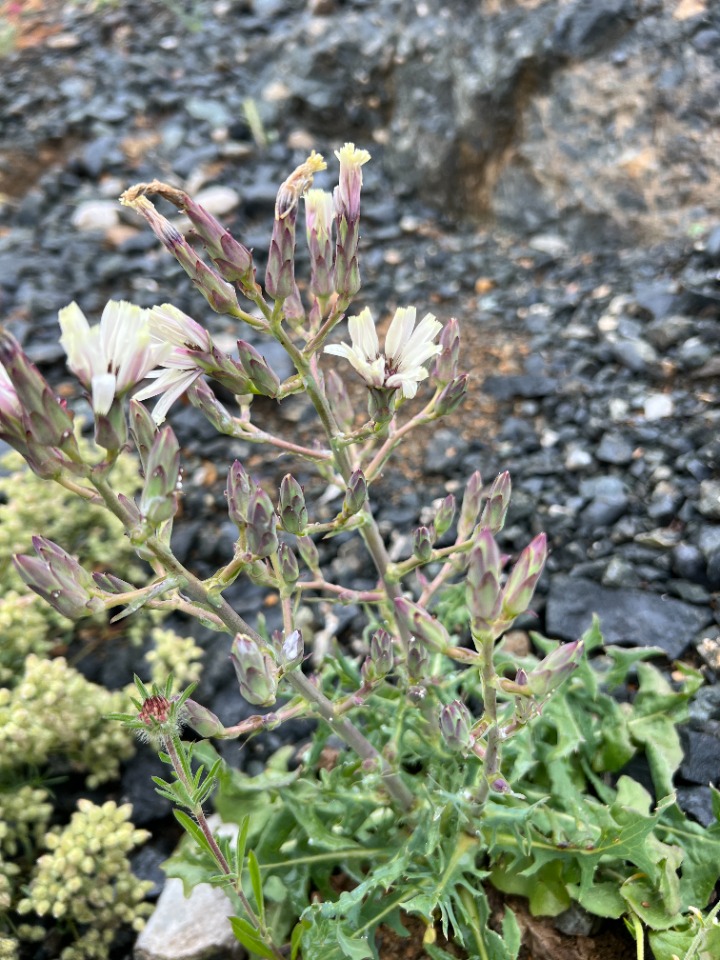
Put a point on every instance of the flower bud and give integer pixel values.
(444, 516)
(59, 579)
(233, 260)
(143, 430)
(418, 660)
(293, 512)
(423, 544)
(158, 501)
(261, 525)
(452, 396)
(455, 726)
(309, 553)
(203, 721)
(496, 508)
(202, 397)
(524, 576)
(382, 653)
(256, 671)
(355, 494)
(292, 651)
(288, 564)
(555, 669)
(422, 625)
(381, 404)
(472, 500)
(483, 580)
(111, 431)
(346, 200)
(265, 380)
(319, 219)
(155, 711)
(446, 362)
(239, 488)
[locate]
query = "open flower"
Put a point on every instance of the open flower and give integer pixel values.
(114, 355)
(179, 367)
(407, 348)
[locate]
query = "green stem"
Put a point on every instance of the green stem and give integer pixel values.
(639, 937)
(697, 939)
(488, 676)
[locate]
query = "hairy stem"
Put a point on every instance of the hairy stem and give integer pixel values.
(488, 676)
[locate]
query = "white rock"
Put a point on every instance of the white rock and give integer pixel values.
(218, 200)
(96, 215)
(657, 406)
(577, 459)
(188, 929)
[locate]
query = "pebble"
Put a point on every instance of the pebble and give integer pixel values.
(96, 216)
(657, 406)
(614, 449)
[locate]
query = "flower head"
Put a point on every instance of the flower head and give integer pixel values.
(347, 193)
(407, 348)
(114, 355)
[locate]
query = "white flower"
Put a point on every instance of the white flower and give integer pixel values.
(170, 325)
(179, 371)
(9, 403)
(114, 355)
(407, 348)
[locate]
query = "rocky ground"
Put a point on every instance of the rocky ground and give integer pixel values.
(590, 325)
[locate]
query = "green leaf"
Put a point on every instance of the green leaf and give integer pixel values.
(624, 658)
(356, 948)
(191, 827)
(249, 937)
(256, 881)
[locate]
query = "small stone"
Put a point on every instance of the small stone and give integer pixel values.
(615, 449)
(709, 503)
(657, 406)
(218, 200)
(96, 215)
(577, 459)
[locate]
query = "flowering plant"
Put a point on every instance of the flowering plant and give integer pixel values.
(432, 766)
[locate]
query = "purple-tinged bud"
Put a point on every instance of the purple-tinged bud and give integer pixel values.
(309, 553)
(225, 370)
(472, 501)
(523, 577)
(346, 199)
(59, 579)
(382, 653)
(218, 292)
(265, 380)
(239, 488)
(203, 721)
(555, 669)
(155, 711)
(500, 785)
(484, 596)
(355, 494)
(381, 404)
(444, 516)
(159, 499)
(130, 508)
(109, 583)
(256, 671)
(202, 397)
(319, 219)
(261, 528)
(455, 726)
(293, 512)
(111, 430)
(498, 501)
(423, 540)
(292, 651)
(339, 400)
(418, 660)
(143, 430)
(233, 260)
(288, 564)
(422, 625)
(280, 275)
(452, 396)
(446, 362)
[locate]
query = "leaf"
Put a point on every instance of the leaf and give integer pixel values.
(624, 659)
(249, 937)
(356, 948)
(701, 846)
(189, 825)
(256, 881)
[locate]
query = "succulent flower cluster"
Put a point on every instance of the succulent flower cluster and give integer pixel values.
(85, 879)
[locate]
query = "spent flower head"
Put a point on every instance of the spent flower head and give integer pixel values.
(407, 349)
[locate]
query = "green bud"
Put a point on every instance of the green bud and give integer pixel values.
(423, 544)
(446, 362)
(309, 553)
(256, 671)
(239, 488)
(355, 494)
(496, 508)
(261, 528)
(203, 398)
(143, 430)
(483, 579)
(288, 564)
(422, 625)
(418, 660)
(159, 498)
(444, 516)
(382, 653)
(523, 578)
(554, 670)
(293, 512)
(455, 726)
(472, 501)
(381, 404)
(265, 380)
(59, 579)
(203, 721)
(452, 396)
